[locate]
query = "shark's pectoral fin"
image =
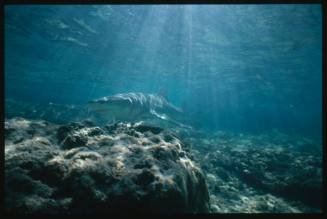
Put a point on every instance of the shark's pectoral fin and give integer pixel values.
(168, 119)
(161, 116)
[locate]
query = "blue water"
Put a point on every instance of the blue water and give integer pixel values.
(243, 68)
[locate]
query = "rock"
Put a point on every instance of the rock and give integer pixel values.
(19, 129)
(74, 140)
(78, 168)
(215, 208)
(292, 173)
(144, 128)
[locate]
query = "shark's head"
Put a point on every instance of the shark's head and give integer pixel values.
(108, 105)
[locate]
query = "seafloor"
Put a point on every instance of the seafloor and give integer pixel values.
(79, 167)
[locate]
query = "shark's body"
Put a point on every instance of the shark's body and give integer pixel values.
(132, 107)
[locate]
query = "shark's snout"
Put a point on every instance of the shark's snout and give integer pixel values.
(94, 106)
(106, 104)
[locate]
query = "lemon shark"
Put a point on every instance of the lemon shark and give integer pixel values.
(133, 107)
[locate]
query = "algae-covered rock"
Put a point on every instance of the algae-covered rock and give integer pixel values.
(79, 168)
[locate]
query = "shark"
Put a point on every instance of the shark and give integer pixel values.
(134, 107)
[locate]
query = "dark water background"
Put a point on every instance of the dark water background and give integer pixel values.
(244, 68)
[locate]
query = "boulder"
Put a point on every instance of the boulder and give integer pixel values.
(80, 168)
